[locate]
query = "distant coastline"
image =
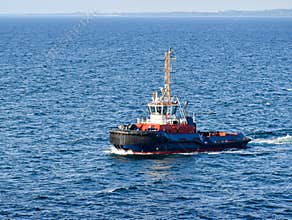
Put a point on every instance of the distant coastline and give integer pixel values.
(228, 13)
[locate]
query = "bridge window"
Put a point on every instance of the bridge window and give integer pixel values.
(152, 109)
(159, 109)
(173, 110)
(164, 110)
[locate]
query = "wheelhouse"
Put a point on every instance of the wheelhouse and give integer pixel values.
(162, 109)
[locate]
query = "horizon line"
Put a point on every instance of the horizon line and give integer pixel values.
(146, 12)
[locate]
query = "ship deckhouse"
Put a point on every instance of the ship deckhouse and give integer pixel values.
(163, 108)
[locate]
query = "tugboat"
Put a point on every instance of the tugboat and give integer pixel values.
(169, 129)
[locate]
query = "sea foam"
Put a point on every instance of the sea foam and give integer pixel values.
(276, 140)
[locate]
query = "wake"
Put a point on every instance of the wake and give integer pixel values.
(275, 140)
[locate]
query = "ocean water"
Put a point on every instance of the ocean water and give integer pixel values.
(64, 82)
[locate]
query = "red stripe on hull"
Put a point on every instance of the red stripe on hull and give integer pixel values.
(185, 151)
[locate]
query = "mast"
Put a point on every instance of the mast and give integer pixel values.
(167, 71)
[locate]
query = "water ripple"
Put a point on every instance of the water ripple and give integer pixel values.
(56, 161)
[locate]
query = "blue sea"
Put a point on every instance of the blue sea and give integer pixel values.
(65, 81)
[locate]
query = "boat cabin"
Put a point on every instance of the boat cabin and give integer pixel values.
(162, 109)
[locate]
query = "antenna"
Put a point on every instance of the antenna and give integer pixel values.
(167, 71)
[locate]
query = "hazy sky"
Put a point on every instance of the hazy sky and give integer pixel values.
(65, 6)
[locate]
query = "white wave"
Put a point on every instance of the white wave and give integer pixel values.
(215, 152)
(278, 140)
(116, 151)
(228, 151)
(109, 190)
(122, 152)
(289, 89)
(190, 153)
(114, 189)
